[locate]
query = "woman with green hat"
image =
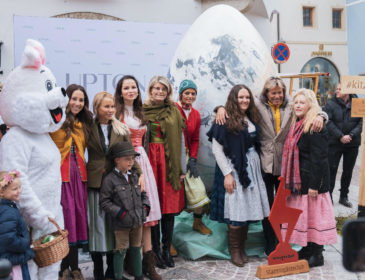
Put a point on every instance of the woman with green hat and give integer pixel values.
(196, 196)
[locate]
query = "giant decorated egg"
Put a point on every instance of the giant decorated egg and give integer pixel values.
(221, 49)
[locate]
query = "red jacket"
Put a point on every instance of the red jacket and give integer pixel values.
(193, 127)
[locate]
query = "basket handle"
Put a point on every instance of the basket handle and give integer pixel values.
(57, 226)
(53, 222)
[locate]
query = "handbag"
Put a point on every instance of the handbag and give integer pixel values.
(195, 193)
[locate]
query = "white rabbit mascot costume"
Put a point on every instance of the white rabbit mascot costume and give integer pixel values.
(32, 105)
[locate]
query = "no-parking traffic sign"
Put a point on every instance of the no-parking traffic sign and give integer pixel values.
(280, 53)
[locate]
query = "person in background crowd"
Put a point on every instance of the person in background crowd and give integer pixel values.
(196, 196)
(105, 131)
(127, 205)
(71, 141)
(239, 192)
(129, 111)
(306, 172)
(164, 152)
(275, 114)
(344, 141)
(14, 235)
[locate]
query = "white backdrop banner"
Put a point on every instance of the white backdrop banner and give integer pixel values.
(97, 53)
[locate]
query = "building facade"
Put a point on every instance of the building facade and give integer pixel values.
(355, 36)
(316, 33)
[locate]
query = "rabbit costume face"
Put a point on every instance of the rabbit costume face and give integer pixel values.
(30, 97)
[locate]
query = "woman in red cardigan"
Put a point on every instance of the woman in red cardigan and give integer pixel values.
(196, 196)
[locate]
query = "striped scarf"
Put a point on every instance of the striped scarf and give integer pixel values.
(290, 162)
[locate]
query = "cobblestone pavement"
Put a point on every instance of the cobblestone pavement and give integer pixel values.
(208, 268)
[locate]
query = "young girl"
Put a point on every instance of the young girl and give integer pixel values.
(14, 236)
(71, 141)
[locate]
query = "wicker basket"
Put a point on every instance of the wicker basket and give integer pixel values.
(52, 251)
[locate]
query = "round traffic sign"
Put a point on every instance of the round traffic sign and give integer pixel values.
(280, 53)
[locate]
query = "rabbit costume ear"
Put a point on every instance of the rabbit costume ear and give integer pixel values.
(34, 55)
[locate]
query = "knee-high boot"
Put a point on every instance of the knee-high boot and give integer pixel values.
(148, 266)
(136, 259)
(156, 245)
(167, 226)
(243, 243)
(97, 259)
(109, 273)
(234, 243)
(118, 263)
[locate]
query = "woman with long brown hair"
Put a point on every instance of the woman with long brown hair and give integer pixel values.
(239, 193)
(129, 111)
(71, 141)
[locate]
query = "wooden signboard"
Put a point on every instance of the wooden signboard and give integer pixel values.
(358, 110)
(352, 84)
(358, 107)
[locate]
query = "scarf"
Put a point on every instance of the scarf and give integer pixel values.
(172, 125)
(235, 147)
(276, 115)
(290, 161)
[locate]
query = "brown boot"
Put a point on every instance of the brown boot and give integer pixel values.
(64, 275)
(173, 251)
(243, 241)
(234, 242)
(200, 227)
(148, 266)
(77, 275)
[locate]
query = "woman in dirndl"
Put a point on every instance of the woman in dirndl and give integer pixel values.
(164, 152)
(129, 111)
(105, 131)
(71, 140)
(196, 196)
(306, 171)
(239, 193)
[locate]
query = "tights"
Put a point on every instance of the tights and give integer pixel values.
(71, 260)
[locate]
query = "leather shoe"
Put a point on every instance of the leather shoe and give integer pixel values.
(345, 202)
(166, 256)
(160, 263)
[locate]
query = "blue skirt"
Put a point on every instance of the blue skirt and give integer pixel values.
(217, 200)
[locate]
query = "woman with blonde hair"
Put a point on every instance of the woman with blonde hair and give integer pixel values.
(105, 131)
(306, 171)
(164, 152)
